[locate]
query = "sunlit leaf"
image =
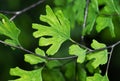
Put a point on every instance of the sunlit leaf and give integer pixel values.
(58, 29)
(97, 77)
(9, 29)
(100, 57)
(24, 75)
(76, 50)
(32, 59)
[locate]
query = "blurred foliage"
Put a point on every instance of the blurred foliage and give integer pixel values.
(24, 23)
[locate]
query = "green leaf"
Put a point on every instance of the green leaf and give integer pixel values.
(82, 74)
(97, 77)
(32, 59)
(76, 50)
(72, 10)
(92, 15)
(9, 29)
(34, 75)
(54, 63)
(58, 29)
(69, 71)
(78, 10)
(111, 7)
(100, 57)
(103, 22)
(91, 68)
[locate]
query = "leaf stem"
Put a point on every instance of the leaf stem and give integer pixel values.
(80, 45)
(111, 52)
(108, 64)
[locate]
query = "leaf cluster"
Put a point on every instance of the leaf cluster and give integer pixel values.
(55, 33)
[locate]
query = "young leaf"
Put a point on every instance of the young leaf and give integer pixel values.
(103, 22)
(91, 68)
(32, 59)
(34, 75)
(58, 29)
(92, 15)
(76, 50)
(97, 77)
(9, 29)
(98, 57)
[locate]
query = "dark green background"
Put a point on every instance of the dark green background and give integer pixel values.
(10, 59)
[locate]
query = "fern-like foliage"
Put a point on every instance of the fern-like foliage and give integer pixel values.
(58, 29)
(56, 32)
(9, 29)
(76, 50)
(97, 58)
(98, 18)
(97, 77)
(34, 75)
(73, 11)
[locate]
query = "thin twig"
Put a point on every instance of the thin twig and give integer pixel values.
(16, 13)
(21, 48)
(85, 17)
(62, 58)
(111, 52)
(100, 49)
(65, 58)
(44, 57)
(83, 46)
(8, 12)
(108, 64)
